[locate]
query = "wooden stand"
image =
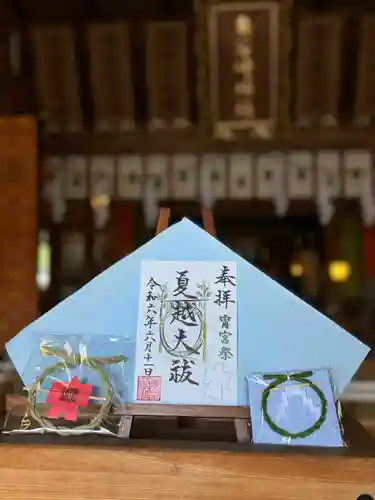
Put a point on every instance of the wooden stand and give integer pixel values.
(229, 417)
(207, 217)
(237, 416)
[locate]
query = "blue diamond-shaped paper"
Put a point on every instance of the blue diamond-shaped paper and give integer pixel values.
(276, 330)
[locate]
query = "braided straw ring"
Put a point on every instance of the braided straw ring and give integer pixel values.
(302, 378)
(96, 420)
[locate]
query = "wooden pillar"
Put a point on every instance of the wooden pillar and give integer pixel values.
(18, 224)
(369, 261)
(15, 64)
(6, 93)
(122, 238)
(331, 252)
(343, 241)
(351, 250)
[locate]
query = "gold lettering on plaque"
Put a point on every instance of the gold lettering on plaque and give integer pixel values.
(244, 67)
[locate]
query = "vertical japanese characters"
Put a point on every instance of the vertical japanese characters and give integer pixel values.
(223, 299)
(150, 326)
(244, 67)
(186, 311)
(188, 332)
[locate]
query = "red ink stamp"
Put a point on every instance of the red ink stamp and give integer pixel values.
(149, 388)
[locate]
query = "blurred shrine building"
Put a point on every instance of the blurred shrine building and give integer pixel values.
(110, 108)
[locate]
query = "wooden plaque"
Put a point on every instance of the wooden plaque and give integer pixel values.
(18, 225)
(365, 102)
(56, 78)
(167, 75)
(222, 50)
(244, 67)
(318, 70)
(111, 76)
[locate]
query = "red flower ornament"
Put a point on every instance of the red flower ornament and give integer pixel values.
(65, 398)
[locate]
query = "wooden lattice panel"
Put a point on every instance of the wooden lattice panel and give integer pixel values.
(167, 75)
(57, 78)
(318, 70)
(365, 102)
(18, 224)
(111, 76)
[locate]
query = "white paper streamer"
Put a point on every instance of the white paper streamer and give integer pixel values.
(271, 182)
(329, 185)
(102, 188)
(359, 182)
(207, 197)
(300, 175)
(76, 178)
(100, 202)
(54, 192)
(150, 203)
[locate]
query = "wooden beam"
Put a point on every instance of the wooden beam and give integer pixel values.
(174, 142)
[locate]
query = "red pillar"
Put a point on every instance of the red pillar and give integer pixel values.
(122, 229)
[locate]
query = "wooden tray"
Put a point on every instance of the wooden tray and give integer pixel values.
(105, 468)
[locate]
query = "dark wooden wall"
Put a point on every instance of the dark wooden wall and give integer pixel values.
(18, 95)
(17, 92)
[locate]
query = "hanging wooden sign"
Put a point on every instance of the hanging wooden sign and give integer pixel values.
(56, 78)
(111, 76)
(244, 40)
(318, 70)
(365, 102)
(167, 75)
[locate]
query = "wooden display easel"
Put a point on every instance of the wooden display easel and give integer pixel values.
(238, 415)
(207, 217)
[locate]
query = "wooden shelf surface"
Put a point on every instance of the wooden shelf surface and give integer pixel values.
(105, 468)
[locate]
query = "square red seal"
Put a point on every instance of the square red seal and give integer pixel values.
(149, 388)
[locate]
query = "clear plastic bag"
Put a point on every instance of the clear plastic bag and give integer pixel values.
(294, 408)
(74, 384)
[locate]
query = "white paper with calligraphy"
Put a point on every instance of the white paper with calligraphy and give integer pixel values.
(187, 333)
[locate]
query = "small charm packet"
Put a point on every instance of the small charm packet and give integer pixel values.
(294, 408)
(74, 385)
